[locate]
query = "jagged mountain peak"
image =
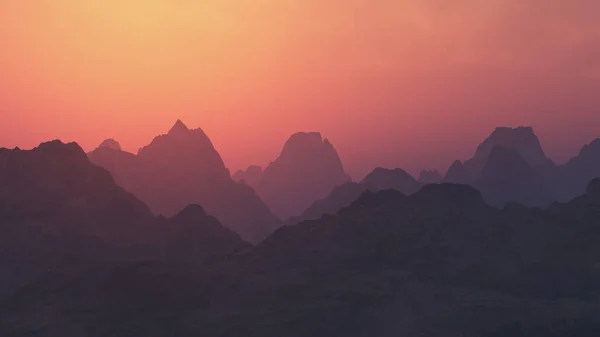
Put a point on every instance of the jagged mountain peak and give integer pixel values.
(60, 149)
(178, 127)
(307, 169)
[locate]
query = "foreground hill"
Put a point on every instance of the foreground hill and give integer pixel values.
(182, 168)
(57, 209)
(440, 262)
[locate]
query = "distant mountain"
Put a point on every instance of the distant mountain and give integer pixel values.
(457, 174)
(342, 196)
(307, 169)
(572, 177)
(251, 176)
(182, 168)
(438, 263)
(430, 177)
(521, 139)
(507, 177)
(111, 144)
(397, 179)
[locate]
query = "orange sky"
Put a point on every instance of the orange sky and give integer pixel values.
(414, 84)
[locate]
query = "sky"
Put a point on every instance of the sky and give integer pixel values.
(392, 83)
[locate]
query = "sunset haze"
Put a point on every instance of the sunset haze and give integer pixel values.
(412, 84)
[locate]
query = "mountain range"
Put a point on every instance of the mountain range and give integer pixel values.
(440, 262)
(166, 243)
(539, 176)
(180, 168)
(57, 207)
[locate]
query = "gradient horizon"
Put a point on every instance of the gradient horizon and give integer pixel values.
(391, 83)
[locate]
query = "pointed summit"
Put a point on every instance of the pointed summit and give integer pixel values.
(178, 128)
(307, 169)
(182, 168)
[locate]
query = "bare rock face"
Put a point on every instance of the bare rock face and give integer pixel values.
(521, 139)
(307, 169)
(181, 168)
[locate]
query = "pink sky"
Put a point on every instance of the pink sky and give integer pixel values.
(412, 84)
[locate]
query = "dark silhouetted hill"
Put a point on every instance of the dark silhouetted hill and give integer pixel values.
(440, 262)
(111, 144)
(430, 177)
(193, 236)
(344, 195)
(307, 169)
(521, 139)
(457, 174)
(507, 177)
(58, 209)
(572, 178)
(397, 179)
(251, 176)
(182, 168)
(56, 205)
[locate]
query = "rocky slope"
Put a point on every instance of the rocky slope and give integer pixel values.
(307, 169)
(182, 168)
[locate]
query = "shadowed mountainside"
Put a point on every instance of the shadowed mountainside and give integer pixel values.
(521, 139)
(507, 178)
(182, 168)
(58, 208)
(430, 177)
(344, 195)
(538, 181)
(438, 263)
(251, 176)
(570, 179)
(307, 169)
